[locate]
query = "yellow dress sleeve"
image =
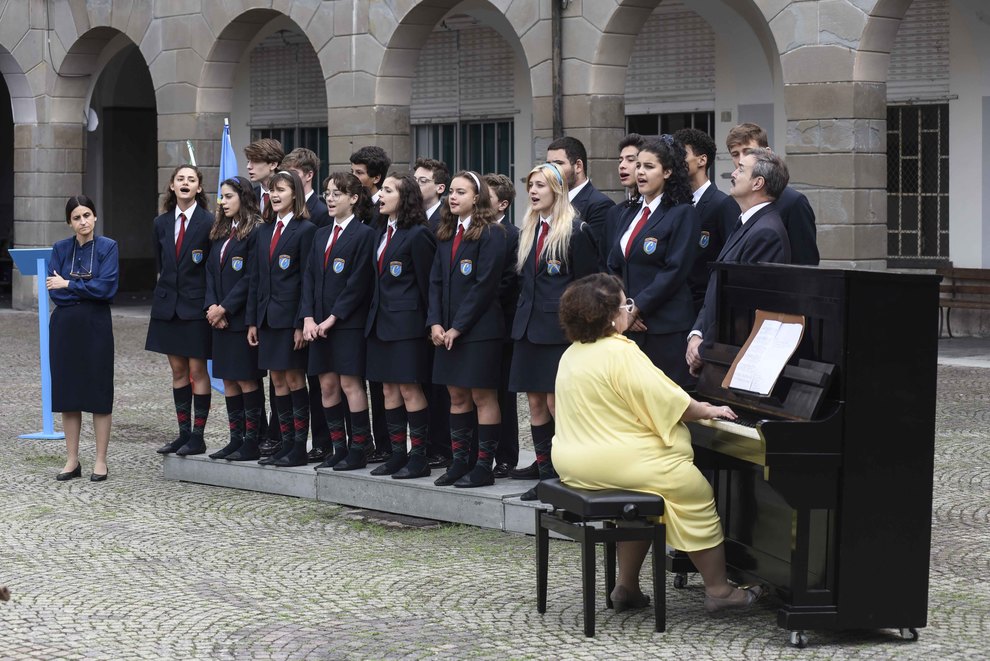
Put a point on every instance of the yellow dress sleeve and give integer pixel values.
(656, 401)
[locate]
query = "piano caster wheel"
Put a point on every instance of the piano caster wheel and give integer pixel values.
(680, 581)
(799, 639)
(909, 634)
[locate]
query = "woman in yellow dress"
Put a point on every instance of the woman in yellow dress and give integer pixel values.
(620, 425)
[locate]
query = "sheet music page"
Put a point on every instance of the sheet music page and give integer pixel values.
(760, 366)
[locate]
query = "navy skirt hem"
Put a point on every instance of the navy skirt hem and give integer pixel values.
(81, 350)
(189, 338)
(275, 350)
(534, 366)
(343, 351)
(402, 361)
(233, 358)
(469, 364)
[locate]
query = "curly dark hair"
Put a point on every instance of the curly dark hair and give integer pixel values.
(411, 211)
(170, 199)
(672, 157)
(588, 307)
(247, 216)
(348, 184)
(482, 215)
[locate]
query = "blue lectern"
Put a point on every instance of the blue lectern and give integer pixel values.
(34, 261)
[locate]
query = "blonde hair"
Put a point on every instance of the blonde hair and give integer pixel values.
(562, 214)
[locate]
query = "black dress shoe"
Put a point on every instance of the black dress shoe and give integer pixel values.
(456, 471)
(479, 476)
(354, 460)
(267, 461)
(72, 474)
(268, 447)
(417, 466)
(194, 446)
(296, 456)
(96, 477)
(439, 461)
(392, 465)
(501, 470)
(244, 454)
(529, 495)
(169, 448)
(226, 450)
(377, 456)
(316, 455)
(531, 472)
(332, 460)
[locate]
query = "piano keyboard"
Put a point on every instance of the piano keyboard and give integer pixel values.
(746, 429)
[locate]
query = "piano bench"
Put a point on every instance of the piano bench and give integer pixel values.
(622, 516)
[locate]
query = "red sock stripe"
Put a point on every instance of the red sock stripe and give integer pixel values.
(337, 435)
(250, 424)
(199, 423)
(299, 423)
(417, 441)
(543, 458)
(182, 416)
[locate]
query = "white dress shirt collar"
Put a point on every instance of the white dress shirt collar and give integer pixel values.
(701, 191)
(750, 212)
(571, 194)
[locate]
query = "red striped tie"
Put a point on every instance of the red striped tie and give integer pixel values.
(226, 244)
(182, 235)
(457, 242)
(544, 230)
(326, 255)
(275, 238)
(637, 230)
(381, 257)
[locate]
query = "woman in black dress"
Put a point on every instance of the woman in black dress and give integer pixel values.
(467, 325)
(274, 324)
(555, 249)
(336, 295)
(234, 236)
(398, 350)
(178, 328)
(82, 281)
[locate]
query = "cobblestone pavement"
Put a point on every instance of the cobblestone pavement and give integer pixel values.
(141, 568)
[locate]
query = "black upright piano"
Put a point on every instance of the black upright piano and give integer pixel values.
(825, 486)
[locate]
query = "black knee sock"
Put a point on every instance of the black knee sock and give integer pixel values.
(283, 410)
(254, 412)
(235, 419)
(201, 411)
(183, 409)
(335, 421)
(360, 430)
(487, 445)
(300, 415)
(542, 443)
(461, 431)
(419, 430)
(397, 421)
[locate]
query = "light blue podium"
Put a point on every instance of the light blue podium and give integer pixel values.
(34, 261)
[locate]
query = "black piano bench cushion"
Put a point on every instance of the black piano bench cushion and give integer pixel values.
(598, 503)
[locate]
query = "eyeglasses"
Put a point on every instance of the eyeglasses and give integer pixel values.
(424, 181)
(628, 305)
(334, 195)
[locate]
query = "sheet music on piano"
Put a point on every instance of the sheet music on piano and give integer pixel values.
(774, 339)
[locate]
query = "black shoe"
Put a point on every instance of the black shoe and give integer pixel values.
(377, 456)
(316, 455)
(332, 460)
(72, 474)
(439, 461)
(267, 461)
(269, 446)
(394, 464)
(194, 446)
(531, 472)
(501, 470)
(169, 448)
(354, 460)
(244, 453)
(480, 476)
(226, 450)
(417, 466)
(457, 470)
(96, 477)
(296, 456)
(529, 495)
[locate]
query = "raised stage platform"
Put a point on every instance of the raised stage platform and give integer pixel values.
(497, 506)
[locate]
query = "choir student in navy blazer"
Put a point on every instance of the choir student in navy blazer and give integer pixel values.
(655, 254)
(232, 256)
(629, 148)
(555, 249)
(467, 326)
(274, 324)
(335, 298)
(398, 348)
(178, 326)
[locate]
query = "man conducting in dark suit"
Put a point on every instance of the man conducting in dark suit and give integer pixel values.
(759, 235)
(571, 158)
(716, 210)
(795, 211)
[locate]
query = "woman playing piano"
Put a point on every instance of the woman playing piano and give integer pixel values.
(620, 425)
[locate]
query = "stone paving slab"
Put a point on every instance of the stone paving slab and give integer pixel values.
(141, 567)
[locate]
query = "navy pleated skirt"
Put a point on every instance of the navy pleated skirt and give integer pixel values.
(402, 361)
(189, 338)
(469, 364)
(81, 351)
(233, 358)
(534, 366)
(343, 351)
(275, 350)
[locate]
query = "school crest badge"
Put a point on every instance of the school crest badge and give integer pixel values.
(338, 265)
(705, 239)
(197, 256)
(466, 267)
(395, 268)
(553, 267)
(237, 263)
(650, 245)
(284, 261)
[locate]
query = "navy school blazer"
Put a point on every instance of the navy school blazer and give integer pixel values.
(655, 274)
(538, 309)
(276, 284)
(181, 287)
(592, 206)
(317, 208)
(799, 220)
(401, 294)
(717, 214)
(464, 292)
(343, 287)
(614, 226)
(228, 282)
(508, 287)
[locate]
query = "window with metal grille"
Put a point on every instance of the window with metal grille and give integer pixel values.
(668, 122)
(313, 137)
(917, 184)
